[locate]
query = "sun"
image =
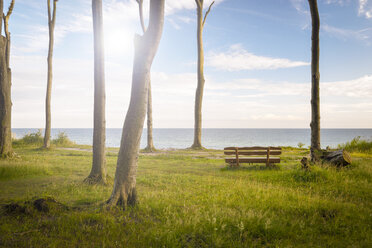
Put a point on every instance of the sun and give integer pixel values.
(118, 41)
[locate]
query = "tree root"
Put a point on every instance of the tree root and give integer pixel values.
(95, 180)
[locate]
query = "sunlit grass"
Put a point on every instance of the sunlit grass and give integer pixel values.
(357, 145)
(189, 199)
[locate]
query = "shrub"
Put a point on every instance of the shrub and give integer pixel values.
(30, 139)
(300, 144)
(62, 140)
(357, 145)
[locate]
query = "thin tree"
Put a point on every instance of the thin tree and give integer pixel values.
(51, 25)
(315, 76)
(98, 172)
(5, 84)
(124, 191)
(150, 143)
(201, 81)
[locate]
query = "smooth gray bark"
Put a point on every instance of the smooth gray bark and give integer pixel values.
(315, 76)
(200, 70)
(51, 25)
(124, 191)
(98, 172)
(150, 143)
(1, 15)
(5, 85)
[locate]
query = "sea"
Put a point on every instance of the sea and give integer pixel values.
(213, 138)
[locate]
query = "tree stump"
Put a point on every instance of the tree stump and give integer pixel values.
(305, 163)
(338, 158)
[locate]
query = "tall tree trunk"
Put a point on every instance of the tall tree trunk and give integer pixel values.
(1, 15)
(315, 76)
(200, 70)
(150, 143)
(5, 86)
(98, 172)
(124, 191)
(51, 24)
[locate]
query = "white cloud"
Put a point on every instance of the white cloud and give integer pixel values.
(237, 59)
(365, 8)
(356, 88)
(339, 2)
(362, 34)
(301, 6)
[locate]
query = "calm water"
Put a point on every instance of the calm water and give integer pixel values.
(215, 138)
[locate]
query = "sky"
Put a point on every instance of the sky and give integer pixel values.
(257, 63)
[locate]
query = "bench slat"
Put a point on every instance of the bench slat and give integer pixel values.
(253, 153)
(252, 160)
(254, 148)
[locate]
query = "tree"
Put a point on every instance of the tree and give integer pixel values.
(200, 88)
(51, 25)
(315, 76)
(5, 84)
(150, 143)
(98, 172)
(124, 191)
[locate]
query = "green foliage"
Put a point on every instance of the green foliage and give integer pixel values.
(30, 139)
(187, 199)
(300, 145)
(37, 139)
(62, 140)
(357, 145)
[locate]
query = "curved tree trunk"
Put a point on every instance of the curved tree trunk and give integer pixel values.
(124, 191)
(200, 88)
(315, 76)
(5, 103)
(5, 86)
(150, 143)
(51, 24)
(98, 172)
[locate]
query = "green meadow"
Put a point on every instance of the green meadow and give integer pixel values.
(186, 198)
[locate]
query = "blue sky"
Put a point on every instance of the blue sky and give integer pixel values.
(257, 67)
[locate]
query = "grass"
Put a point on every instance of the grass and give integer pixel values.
(187, 199)
(357, 145)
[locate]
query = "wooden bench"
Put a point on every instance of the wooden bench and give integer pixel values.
(250, 155)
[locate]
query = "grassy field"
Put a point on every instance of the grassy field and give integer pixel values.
(186, 199)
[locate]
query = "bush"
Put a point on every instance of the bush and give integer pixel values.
(62, 140)
(300, 144)
(357, 145)
(30, 139)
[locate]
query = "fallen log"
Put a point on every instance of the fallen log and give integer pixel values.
(338, 158)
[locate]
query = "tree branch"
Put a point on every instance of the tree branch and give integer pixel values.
(49, 14)
(206, 14)
(199, 3)
(140, 8)
(6, 19)
(54, 11)
(10, 10)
